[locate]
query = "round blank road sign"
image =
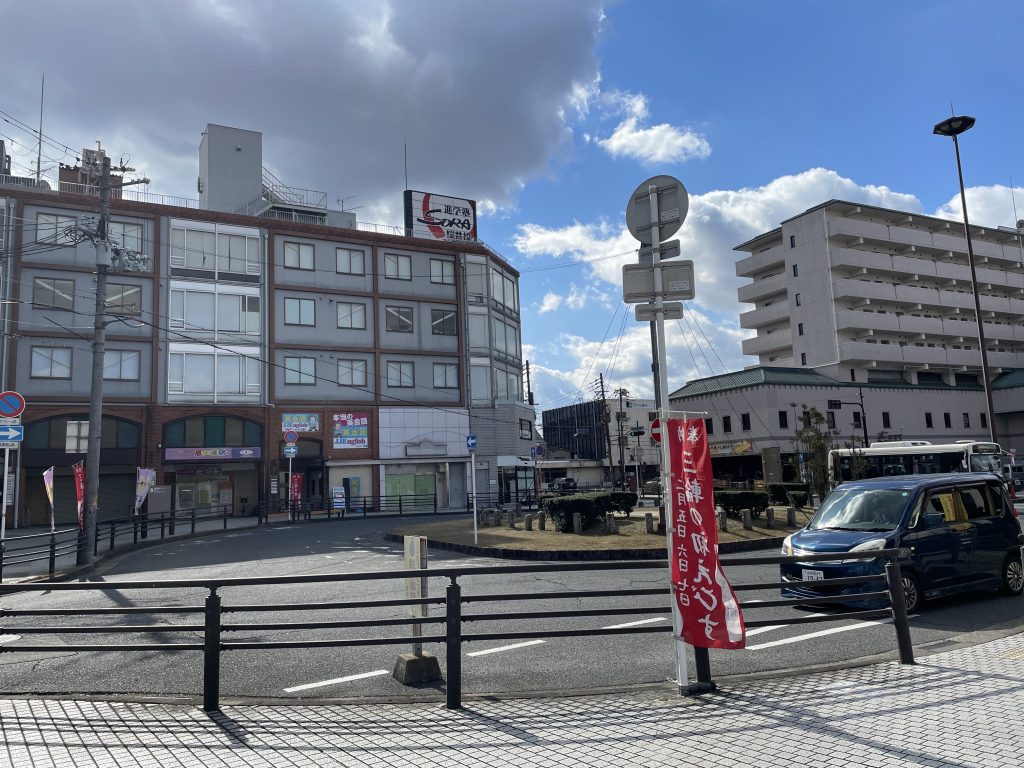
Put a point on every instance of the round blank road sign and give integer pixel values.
(673, 205)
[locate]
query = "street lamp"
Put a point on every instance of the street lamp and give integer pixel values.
(954, 126)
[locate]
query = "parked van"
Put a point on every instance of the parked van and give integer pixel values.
(960, 532)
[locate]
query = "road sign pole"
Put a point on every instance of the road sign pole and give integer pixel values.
(472, 485)
(3, 512)
(291, 501)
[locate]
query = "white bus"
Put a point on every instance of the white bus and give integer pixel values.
(914, 457)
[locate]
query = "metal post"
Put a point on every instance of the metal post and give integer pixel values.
(211, 653)
(53, 554)
(665, 505)
(453, 645)
(113, 525)
(3, 510)
(193, 520)
(472, 485)
(291, 501)
(894, 581)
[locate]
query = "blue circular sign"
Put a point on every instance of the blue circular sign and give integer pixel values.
(11, 404)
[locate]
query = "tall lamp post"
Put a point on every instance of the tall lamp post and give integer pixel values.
(953, 127)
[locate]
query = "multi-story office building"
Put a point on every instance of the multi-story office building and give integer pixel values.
(853, 300)
(257, 310)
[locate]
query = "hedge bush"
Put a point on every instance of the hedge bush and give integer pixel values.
(778, 493)
(561, 509)
(623, 501)
(799, 499)
(801, 487)
(733, 502)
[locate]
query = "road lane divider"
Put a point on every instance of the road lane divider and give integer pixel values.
(337, 680)
(506, 648)
(635, 623)
(822, 633)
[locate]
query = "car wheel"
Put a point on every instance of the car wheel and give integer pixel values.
(1013, 575)
(912, 593)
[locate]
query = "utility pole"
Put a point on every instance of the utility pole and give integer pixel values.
(99, 340)
(621, 420)
(607, 429)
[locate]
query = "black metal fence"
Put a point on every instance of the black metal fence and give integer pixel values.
(213, 635)
(355, 506)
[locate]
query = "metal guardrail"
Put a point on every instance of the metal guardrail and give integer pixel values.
(365, 506)
(215, 632)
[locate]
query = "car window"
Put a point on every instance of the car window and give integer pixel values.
(859, 509)
(977, 502)
(944, 503)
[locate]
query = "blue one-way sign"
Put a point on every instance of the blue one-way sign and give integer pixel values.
(471, 442)
(12, 433)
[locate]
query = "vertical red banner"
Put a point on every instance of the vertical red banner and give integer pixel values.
(710, 611)
(79, 472)
(296, 490)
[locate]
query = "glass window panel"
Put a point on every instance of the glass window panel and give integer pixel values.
(400, 374)
(351, 315)
(176, 309)
(442, 271)
(499, 335)
(199, 373)
(229, 375)
(299, 311)
(480, 383)
(124, 299)
(253, 433)
(194, 431)
(476, 279)
(178, 248)
(501, 385)
(49, 292)
(511, 340)
(174, 435)
(478, 336)
(214, 431)
(251, 314)
(127, 434)
(200, 310)
(352, 373)
(398, 319)
(350, 261)
(442, 322)
(233, 431)
(176, 372)
(397, 266)
(229, 313)
(446, 376)
(252, 376)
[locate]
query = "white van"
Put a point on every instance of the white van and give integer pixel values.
(1015, 474)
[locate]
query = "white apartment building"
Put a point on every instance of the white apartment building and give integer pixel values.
(851, 300)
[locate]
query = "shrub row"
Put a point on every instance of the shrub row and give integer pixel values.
(780, 492)
(733, 502)
(591, 506)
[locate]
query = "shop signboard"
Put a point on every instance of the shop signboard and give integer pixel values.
(211, 454)
(351, 430)
(300, 422)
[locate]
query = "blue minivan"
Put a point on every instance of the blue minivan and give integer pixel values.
(960, 532)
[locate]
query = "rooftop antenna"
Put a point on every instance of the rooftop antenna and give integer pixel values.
(405, 153)
(1018, 223)
(39, 149)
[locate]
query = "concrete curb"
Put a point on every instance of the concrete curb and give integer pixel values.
(725, 547)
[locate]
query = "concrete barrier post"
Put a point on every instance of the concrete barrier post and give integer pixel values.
(529, 522)
(791, 517)
(610, 523)
(542, 521)
(748, 520)
(512, 519)
(769, 518)
(649, 522)
(723, 521)
(577, 523)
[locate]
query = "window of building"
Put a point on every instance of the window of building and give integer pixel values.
(121, 364)
(215, 373)
(526, 429)
(856, 419)
(480, 383)
(928, 420)
(238, 254)
(709, 426)
(796, 299)
(50, 363)
(202, 249)
(830, 419)
(503, 290)
(984, 420)
(53, 293)
(745, 422)
(799, 329)
(125, 235)
(124, 299)
(947, 421)
(299, 312)
(853, 374)
(783, 420)
(796, 271)
(885, 420)
(442, 322)
(803, 358)
(397, 266)
(442, 271)
(967, 420)
(76, 437)
(399, 374)
(298, 256)
(211, 432)
(727, 424)
(351, 315)
(446, 376)
(476, 279)
(300, 370)
(398, 319)
(350, 261)
(238, 314)
(209, 312)
(479, 335)
(352, 373)
(54, 228)
(505, 338)
(792, 241)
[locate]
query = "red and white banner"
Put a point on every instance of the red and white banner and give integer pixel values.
(711, 614)
(296, 489)
(79, 471)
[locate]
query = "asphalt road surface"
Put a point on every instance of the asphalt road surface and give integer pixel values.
(514, 666)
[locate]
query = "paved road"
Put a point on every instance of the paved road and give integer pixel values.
(558, 664)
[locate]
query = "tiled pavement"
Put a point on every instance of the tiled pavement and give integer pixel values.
(961, 708)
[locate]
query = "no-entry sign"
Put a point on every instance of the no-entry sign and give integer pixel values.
(656, 430)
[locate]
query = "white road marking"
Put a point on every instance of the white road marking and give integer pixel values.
(9, 638)
(329, 557)
(635, 623)
(759, 630)
(820, 633)
(337, 680)
(506, 648)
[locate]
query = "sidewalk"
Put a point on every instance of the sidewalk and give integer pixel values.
(961, 708)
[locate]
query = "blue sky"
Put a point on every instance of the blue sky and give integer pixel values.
(550, 114)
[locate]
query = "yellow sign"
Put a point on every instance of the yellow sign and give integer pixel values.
(731, 449)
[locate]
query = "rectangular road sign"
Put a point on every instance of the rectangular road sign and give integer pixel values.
(12, 433)
(676, 282)
(291, 451)
(673, 311)
(10, 419)
(669, 250)
(12, 446)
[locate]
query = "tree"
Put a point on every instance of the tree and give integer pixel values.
(814, 441)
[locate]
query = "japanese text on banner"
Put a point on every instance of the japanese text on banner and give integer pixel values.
(711, 614)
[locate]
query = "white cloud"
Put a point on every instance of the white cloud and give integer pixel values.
(549, 303)
(661, 143)
(987, 206)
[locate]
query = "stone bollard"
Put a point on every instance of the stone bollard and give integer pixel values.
(748, 520)
(769, 518)
(791, 517)
(649, 522)
(542, 521)
(511, 519)
(577, 523)
(529, 522)
(723, 521)
(496, 518)
(481, 517)
(519, 508)
(610, 525)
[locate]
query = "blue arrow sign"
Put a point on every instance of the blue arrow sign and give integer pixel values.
(471, 442)
(12, 433)
(291, 451)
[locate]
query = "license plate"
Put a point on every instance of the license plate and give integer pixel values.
(810, 574)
